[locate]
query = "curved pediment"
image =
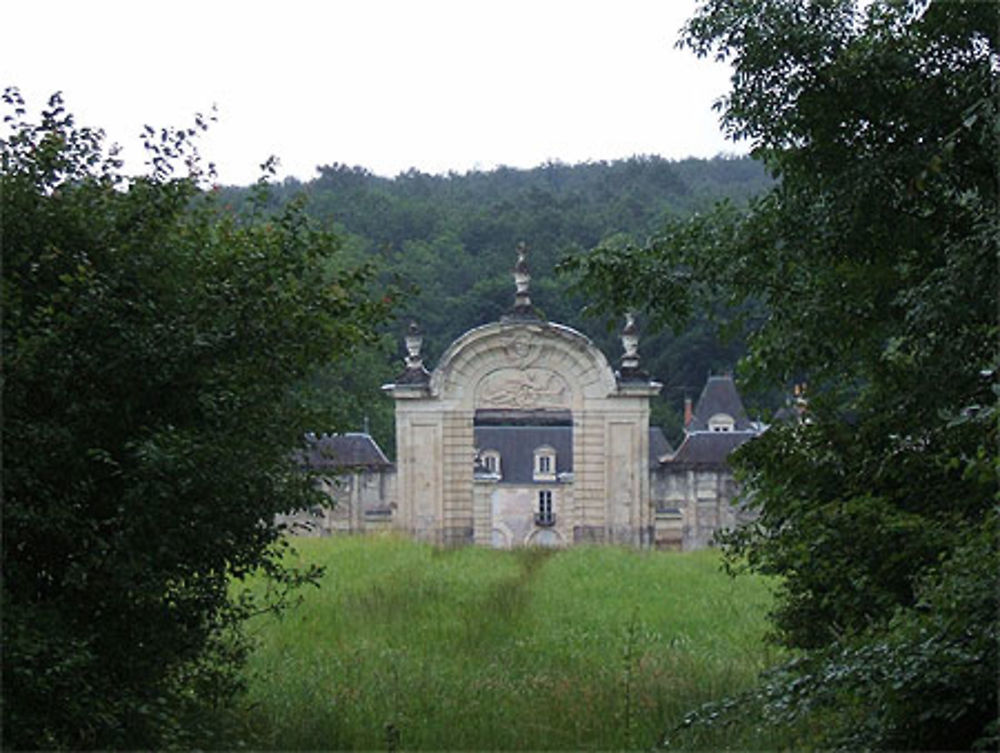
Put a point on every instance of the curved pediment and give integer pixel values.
(522, 365)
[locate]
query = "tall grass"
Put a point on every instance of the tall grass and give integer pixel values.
(410, 647)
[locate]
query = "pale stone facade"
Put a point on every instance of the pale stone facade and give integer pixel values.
(355, 474)
(523, 367)
(523, 434)
(692, 504)
(693, 489)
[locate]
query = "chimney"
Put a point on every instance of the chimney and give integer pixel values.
(688, 412)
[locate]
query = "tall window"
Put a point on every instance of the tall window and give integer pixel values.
(545, 516)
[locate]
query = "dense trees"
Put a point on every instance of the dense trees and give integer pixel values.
(156, 355)
(875, 260)
(451, 239)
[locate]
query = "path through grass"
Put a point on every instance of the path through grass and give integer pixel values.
(410, 647)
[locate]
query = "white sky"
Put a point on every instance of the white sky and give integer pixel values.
(434, 84)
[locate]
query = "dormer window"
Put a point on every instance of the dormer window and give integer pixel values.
(491, 461)
(545, 464)
(721, 422)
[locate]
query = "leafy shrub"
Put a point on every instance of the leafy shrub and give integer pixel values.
(151, 344)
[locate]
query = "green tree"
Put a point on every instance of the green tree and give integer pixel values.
(452, 236)
(151, 347)
(874, 264)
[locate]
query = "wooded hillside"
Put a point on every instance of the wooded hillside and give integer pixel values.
(449, 241)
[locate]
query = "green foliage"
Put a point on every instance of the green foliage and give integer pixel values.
(868, 272)
(151, 342)
(452, 238)
(348, 393)
(473, 649)
(929, 681)
(925, 682)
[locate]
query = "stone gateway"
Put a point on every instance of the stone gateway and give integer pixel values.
(525, 435)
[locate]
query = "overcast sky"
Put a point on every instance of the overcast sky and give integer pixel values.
(434, 84)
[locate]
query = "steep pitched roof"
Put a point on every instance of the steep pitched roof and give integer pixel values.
(719, 396)
(708, 448)
(344, 451)
(659, 446)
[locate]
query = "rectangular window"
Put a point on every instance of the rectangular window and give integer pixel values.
(490, 460)
(544, 464)
(545, 516)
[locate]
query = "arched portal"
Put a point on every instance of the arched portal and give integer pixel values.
(562, 439)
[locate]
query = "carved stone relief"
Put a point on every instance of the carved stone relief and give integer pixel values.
(521, 349)
(523, 389)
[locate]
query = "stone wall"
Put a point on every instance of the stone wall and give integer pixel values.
(684, 510)
(361, 501)
(691, 504)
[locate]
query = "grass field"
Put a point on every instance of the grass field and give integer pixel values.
(410, 647)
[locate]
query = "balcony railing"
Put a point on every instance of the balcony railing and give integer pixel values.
(545, 519)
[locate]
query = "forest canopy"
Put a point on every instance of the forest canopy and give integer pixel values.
(450, 240)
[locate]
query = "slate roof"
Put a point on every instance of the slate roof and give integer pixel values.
(719, 396)
(659, 446)
(708, 448)
(517, 442)
(343, 451)
(517, 445)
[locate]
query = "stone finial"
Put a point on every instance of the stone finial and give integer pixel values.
(414, 341)
(522, 310)
(630, 371)
(522, 279)
(415, 372)
(630, 343)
